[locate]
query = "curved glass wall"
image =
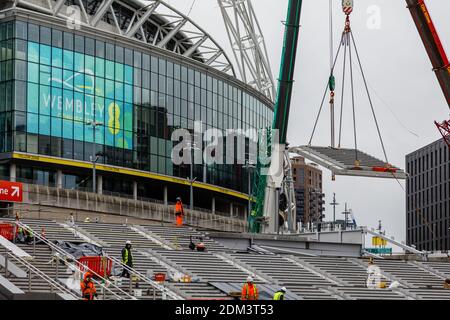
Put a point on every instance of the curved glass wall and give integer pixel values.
(54, 84)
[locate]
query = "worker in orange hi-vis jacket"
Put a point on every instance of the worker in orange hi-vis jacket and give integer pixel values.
(179, 212)
(249, 290)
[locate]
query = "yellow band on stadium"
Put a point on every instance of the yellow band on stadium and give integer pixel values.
(130, 172)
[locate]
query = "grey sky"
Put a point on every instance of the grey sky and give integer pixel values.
(398, 71)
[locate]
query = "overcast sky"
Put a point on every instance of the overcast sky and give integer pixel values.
(406, 94)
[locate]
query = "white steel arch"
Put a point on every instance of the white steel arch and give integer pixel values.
(248, 45)
(153, 22)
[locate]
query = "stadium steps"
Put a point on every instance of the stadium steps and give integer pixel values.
(430, 294)
(363, 293)
(409, 274)
(205, 265)
(440, 269)
(178, 237)
(55, 231)
(285, 272)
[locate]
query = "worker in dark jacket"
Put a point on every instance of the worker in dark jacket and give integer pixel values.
(127, 259)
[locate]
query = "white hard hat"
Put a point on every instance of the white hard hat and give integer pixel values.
(128, 242)
(249, 279)
(283, 289)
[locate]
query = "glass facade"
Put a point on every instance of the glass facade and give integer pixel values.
(54, 83)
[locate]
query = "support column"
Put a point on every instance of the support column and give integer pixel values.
(12, 172)
(59, 179)
(231, 209)
(99, 184)
(213, 205)
(166, 201)
(135, 190)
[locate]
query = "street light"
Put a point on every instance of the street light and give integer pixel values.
(94, 157)
(249, 166)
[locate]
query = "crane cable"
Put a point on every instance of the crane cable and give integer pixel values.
(369, 97)
(347, 31)
(324, 95)
(347, 40)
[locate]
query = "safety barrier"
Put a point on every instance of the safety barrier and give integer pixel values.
(100, 265)
(7, 231)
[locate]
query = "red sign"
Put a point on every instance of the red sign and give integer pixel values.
(11, 191)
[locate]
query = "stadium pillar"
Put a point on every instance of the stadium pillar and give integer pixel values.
(135, 190)
(213, 205)
(99, 184)
(12, 172)
(231, 209)
(59, 179)
(166, 202)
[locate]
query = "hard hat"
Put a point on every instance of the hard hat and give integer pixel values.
(178, 199)
(128, 242)
(283, 289)
(87, 219)
(249, 279)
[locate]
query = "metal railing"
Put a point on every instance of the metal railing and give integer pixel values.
(153, 284)
(54, 284)
(77, 265)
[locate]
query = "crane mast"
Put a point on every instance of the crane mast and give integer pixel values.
(269, 184)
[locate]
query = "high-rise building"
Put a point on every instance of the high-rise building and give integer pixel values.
(308, 191)
(428, 197)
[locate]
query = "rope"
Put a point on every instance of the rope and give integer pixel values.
(324, 94)
(353, 99)
(370, 99)
(342, 95)
(331, 36)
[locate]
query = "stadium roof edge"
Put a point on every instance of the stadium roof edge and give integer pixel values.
(155, 23)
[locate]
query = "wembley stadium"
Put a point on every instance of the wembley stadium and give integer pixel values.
(133, 73)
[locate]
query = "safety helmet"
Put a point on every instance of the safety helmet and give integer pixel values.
(87, 219)
(249, 279)
(128, 242)
(178, 199)
(283, 289)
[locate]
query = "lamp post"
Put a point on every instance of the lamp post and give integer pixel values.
(94, 157)
(334, 204)
(249, 166)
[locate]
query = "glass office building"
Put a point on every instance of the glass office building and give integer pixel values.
(70, 93)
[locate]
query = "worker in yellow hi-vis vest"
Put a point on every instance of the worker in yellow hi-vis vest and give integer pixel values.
(127, 259)
(279, 295)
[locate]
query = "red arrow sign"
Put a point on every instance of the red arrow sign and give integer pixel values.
(11, 191)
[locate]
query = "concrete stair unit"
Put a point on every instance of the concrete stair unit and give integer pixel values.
(164, 249)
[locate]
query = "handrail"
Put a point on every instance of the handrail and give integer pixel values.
(64, 253)
(43, 275)
(147, 280)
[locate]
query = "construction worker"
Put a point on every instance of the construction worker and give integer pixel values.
(373, 275)
(88, 291)
(200, 246)
(179, 212)
(127, 259)
(279, 295)
(249, 290)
